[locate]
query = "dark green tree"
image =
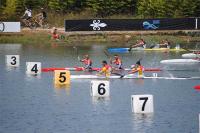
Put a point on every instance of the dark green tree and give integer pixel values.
(20, 7)
(187, 8)
(197, 10)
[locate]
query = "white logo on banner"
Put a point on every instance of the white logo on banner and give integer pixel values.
(97, 25)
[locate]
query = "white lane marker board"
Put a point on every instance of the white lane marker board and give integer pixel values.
(100, 88)
(12, 60)
(33, 68)
(142, 103)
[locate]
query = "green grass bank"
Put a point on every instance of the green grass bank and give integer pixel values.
(43, 37)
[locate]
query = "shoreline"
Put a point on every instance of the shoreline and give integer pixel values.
(44, 35)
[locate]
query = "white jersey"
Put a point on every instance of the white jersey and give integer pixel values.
(28, 13)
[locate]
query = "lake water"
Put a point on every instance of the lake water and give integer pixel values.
(35, 105)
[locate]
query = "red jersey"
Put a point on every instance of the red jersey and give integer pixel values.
(117, 61)
(87, 62)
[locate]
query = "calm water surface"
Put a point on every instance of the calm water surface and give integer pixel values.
(35, 105)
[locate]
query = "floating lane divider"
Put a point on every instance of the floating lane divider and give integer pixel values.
(180, 61)
(94, 69)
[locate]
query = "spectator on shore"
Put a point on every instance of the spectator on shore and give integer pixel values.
(41, 17)
(27, 14)
(55, 35)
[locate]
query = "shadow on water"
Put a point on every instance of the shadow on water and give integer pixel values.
(100, 100)
(142, 122)
(59, 88)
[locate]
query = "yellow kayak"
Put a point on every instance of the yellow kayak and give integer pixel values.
(113, 50)
(163, 49)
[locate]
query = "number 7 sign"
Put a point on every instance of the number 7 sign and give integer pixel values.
(142, 103)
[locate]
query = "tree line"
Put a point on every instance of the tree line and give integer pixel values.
(104, 8)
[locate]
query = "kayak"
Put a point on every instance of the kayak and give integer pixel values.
(67, 68)
(180, 61)
(191, 55)
(129, 76)
(93, 69)
(197, 87)
(118, 50)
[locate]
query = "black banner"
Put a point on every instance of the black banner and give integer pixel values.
(130, 24)
(198, 23)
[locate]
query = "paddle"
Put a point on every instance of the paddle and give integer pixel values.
(130, 48)
(106, 53)
(152, 46)
(76, 50)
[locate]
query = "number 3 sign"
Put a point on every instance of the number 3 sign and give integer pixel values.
(100, 88)
(142, 103)
(12, 60)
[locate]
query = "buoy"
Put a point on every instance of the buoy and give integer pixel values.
(142, 103)
(100, 88)
(12, 60)
(62, 77)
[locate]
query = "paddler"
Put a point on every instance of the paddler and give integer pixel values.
(137, 68)
(87, 62)
(164, 44)
(139, 43)
(105, 70)
(116, 63)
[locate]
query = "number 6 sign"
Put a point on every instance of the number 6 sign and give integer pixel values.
(100, 88)
(142, 103)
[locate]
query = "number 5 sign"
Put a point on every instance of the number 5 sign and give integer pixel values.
(100, 88)
(61, 77)
(142, 103)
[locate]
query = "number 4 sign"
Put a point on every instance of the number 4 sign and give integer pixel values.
(33, 68)
(100, 88)
(142, 103)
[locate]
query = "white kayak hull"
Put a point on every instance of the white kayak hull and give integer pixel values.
(130, 76)
(191, 55)
(180, 61)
